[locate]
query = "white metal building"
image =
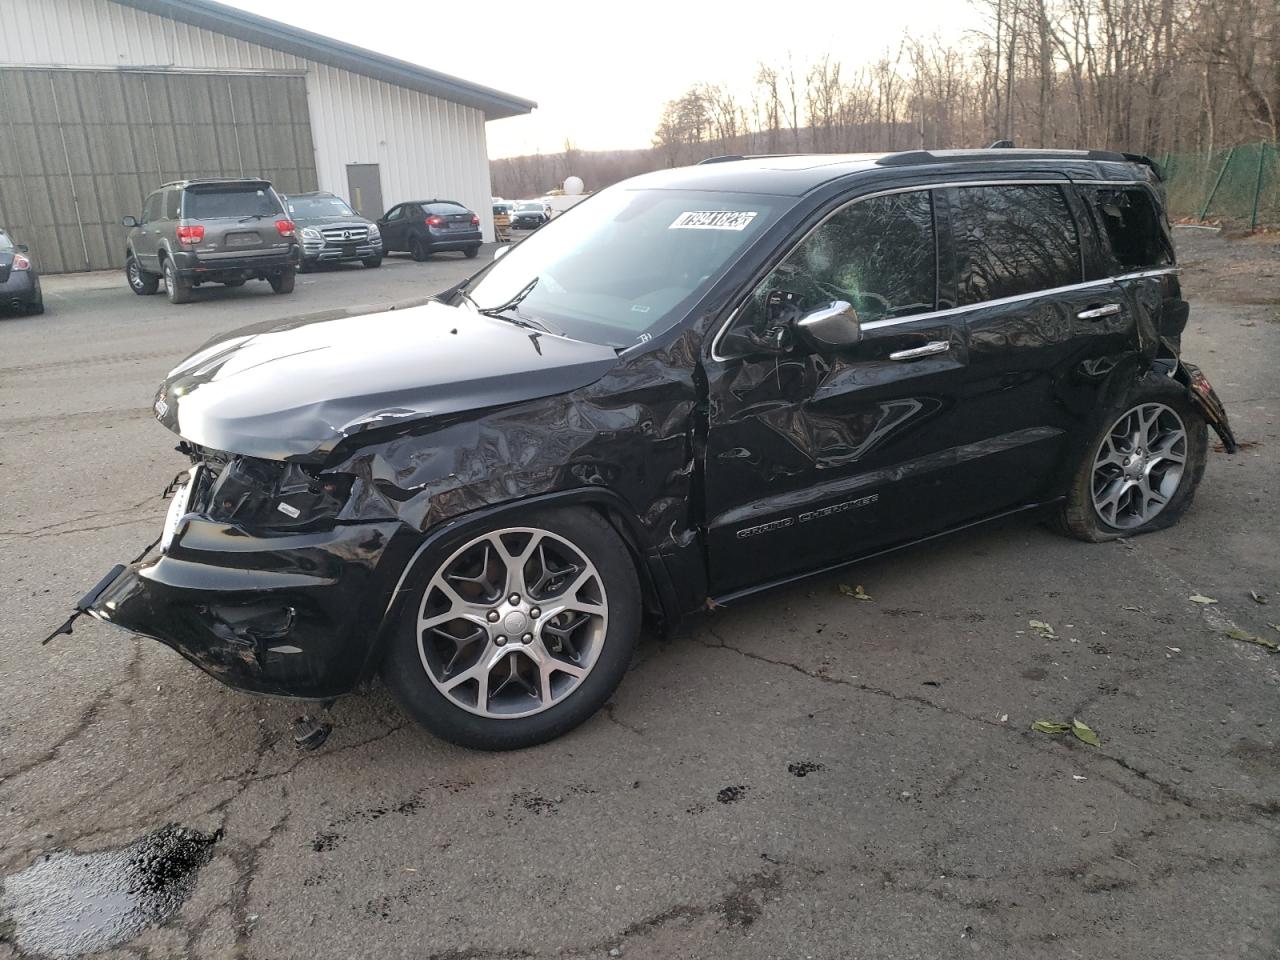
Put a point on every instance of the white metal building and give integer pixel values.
(103, 100)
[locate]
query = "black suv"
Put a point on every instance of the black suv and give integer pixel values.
(332, 232)
(210, 231)
(696, 385)
(424, 227)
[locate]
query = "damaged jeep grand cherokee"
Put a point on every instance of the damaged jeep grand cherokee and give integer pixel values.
(696, 385)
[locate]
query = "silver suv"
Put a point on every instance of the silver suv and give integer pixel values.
(211, 231)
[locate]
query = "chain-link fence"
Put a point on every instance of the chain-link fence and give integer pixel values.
(1240, 184)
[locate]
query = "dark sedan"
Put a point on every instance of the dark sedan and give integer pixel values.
(529, 215)
(19, 282)
(424, 227)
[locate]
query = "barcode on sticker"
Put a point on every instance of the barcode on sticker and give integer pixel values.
(713, 220)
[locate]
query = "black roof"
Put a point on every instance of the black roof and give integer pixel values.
(215, 182)
(313, 46)
(797, 174)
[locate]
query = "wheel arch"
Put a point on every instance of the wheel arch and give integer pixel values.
(658, 595)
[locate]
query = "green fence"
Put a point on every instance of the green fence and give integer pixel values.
(1240, 184)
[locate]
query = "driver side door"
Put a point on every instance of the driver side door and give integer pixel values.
(392, 227)
(817, 455)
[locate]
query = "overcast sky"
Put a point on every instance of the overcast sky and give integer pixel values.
(600, 72)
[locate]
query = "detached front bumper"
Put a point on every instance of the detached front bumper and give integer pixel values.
(292, 615)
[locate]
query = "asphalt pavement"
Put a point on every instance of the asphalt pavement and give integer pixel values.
(802, 775)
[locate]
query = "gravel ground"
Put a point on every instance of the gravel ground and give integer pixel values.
(803, 775)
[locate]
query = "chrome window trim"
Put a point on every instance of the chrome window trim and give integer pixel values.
(1058, 180)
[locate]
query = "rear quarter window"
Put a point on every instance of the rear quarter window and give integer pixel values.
(224, 204)
(1013, 240)
(1136, 234)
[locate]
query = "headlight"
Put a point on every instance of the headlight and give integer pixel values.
(374, 232)
(311, 233)
(269, 495)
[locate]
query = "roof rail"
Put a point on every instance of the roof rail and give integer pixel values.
(913, 157)
(730, 157)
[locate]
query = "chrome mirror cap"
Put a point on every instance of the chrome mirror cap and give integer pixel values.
(833, 325)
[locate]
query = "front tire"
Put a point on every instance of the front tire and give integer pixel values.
(520, 633)
(140, 281)
(372, 262)
(176, 289)
(1140, 471)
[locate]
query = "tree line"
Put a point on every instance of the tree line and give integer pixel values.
(1144, 76)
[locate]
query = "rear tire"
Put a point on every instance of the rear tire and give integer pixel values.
(283, 281)
(233, 283)
(470, 252)
(372, 262)
(140, 281)
(35, 309)
(418, 249)
(306, 266)
(176, 289)
(481, 671)
(1141, 469)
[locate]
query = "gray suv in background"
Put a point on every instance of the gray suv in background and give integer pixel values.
(211, 231)
(331, 231)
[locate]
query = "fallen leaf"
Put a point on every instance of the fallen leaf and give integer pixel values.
(1084, 734)
(1076, 776)
(1042, 629)
(1247, 637)
(857, 593)
(1258, 597)
(1199, 598)
(1050, 727)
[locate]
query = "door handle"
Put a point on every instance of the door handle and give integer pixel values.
(1097, 313)
(936, 346)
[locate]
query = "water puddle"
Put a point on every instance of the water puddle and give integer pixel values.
(70, 903)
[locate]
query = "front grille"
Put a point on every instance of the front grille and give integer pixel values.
(345, 234)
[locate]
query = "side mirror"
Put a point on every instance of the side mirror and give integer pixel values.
(501, 252)
(833, 326)
(22, 248)
(130, 221)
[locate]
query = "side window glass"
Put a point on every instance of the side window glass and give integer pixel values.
(878, 254)
(172, 204)
(1134, 227)
(151, 209)
(395, 214)
(1013, 240)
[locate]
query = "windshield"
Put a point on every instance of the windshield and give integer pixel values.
(235, 202)
(6, 245)
(444, 208)
(622, 267)
(316, 208)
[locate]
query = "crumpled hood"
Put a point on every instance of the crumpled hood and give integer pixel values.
(295, 390)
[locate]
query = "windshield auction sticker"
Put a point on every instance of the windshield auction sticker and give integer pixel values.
(713, 220)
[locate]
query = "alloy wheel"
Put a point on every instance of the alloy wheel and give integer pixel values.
(1139, 465)
(512, 623)
(135, 274)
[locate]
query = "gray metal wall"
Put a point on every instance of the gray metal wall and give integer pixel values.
(79, 149)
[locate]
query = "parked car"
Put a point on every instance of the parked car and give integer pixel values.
(502, 221)
(19, 281)
(331, 231)
(530, 214)
(707, 382)
(424, 227)
(193, 232)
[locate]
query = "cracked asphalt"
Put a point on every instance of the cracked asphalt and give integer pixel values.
(802, 775)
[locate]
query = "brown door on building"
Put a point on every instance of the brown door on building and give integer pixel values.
(364, 183)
